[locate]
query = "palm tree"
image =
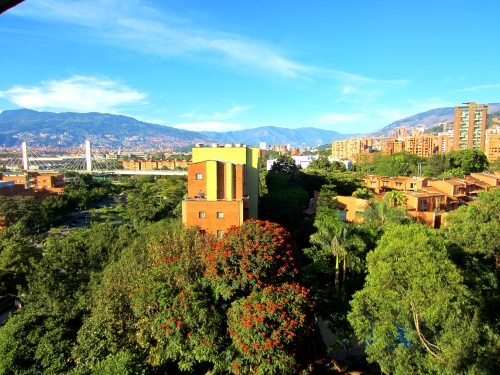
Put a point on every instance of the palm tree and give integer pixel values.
(340, 239)
(363, 193)
(395, 198)
(381, 214)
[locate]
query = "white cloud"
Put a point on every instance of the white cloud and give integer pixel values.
(217, 116)
(78, 93)
(335, 118)
(188, 115)
(481, 87)
(133, 25)
(349, 90)
(155, 121)
(209, 126)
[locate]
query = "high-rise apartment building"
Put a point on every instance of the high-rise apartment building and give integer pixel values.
(470, 126)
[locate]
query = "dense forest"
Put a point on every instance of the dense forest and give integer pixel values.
(137, 293)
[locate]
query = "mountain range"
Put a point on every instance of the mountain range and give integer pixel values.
(44, 129)
(425, 119)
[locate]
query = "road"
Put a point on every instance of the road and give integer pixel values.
(5, 314)
(81, 219)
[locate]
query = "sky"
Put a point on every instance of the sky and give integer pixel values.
(348, 66)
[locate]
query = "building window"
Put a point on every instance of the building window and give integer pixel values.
(220, 215)
(220, 233)
(423, 205)
(199, 176)
(201, 215)
(342, 215)
(398, 185)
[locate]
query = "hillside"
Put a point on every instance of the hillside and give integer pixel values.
(72, 129)
(275, 135)
(426, 119)
(41, 129)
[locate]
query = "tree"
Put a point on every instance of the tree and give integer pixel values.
(495, 166)
(26, 210)
(321, 163)
(257, 253)
(476, 227)
(159, 156)
(436, 165)
(379, 215)
(400, 164)
(267, 327)
(284, 163)
(284, 206)
(338, 238)
(469, 160)
(161, 261)
(414, 312)
(39, 338)
(395, 198)
(363, 193)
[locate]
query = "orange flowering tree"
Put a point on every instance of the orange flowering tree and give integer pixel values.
(267, 327)
(257, 254)
(190, 328)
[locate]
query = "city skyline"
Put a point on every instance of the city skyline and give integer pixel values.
(232, 66)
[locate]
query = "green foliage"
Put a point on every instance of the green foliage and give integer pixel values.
(324, 164)
(414, 312)
(435, 129)
(379, 216)
(150, 201)
(58, 293)
(284, 163)
(400, 164)
(25, 210)
(470, 160)
(121, 363)
(476, 227)
(436, 165)
(341, 240)
(363, 193)
(284, 206)
(494, 166)
(163, 260)
(34, 342)
(395, 198)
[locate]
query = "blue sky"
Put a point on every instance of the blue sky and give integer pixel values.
(348, 66)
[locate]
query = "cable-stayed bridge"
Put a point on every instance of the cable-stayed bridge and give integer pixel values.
(85, 159)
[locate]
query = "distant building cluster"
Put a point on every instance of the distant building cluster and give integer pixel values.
(284, 149)
(35, 184)
(468, 131)
(428, 200)
(150, 165)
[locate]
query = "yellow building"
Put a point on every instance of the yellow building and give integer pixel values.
(247, 156)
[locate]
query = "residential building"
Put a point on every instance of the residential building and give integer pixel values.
(39, 185)
(470, 126)
(492, 143)
(223, 188)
